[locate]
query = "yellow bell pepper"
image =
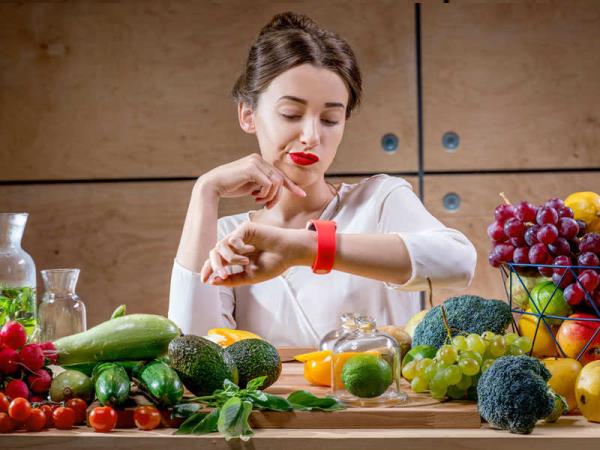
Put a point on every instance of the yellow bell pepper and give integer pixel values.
(317, 366)
(229, 335)
(586, 207)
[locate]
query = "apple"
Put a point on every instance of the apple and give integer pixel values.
(573, 335)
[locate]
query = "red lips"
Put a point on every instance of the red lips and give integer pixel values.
(304, 159)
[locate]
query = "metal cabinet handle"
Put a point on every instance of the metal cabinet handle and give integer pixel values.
(451, 201)
(389, 143)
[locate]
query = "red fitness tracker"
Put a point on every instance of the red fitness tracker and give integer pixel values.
(325, 257)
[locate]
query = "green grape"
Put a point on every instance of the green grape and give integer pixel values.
(496, 348)
(452, 374)
(430, 371)
(476, 344)
(459, 342)
(419, 384)
(469, 366)
(524, 343)
(486, 364)
(408, 371)
(488, 336)
(422, 366)
(465, 382)
(473, 355)
(514, 350)
(438, 394)
(456, 393)
(438, 382)
(509, 338)
(446, 355)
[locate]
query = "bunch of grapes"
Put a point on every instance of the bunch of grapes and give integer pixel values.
(456, 368)
(548, 235)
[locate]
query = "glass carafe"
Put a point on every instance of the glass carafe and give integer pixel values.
(348, 325)
(61, 312)
(17, 276)
(366, 367)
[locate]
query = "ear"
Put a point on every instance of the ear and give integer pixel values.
(246, 118)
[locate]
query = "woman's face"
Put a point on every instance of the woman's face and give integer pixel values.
(299, 121)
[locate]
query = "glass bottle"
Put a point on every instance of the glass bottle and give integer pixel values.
(366, 367)
(348, 321)
(17, 276)
(62, 312)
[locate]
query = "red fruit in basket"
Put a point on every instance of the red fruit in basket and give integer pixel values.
(573, 294)
(563, 280)
(555, 203)
(538, 254)
(590, 242)
(32, 356)
(565, 211)
(562, 260)
(589, 280)
(547, 234)
(16, 389)
(517, 242)
(49, 351)
(567, 227)
(493, 260)
(9, 360)
(495, 232)
(588, 259)
(40, 381)
(573, 335)
(582, 227)
(504, 212)
(13, 335)
(514, 228)
(521, 255)
(531, 235)
(546, 215)
(560, 247)
(526, 212)
(504, 252)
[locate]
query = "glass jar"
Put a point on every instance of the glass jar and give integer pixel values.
(62, 312)
(348, 321)
(17, 276)
(366, 367)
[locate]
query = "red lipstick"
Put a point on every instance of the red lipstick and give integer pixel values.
(304, 159)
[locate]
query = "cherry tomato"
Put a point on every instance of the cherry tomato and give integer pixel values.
(3, 402)
(103, 419)
(36, 420)
(63, 418)
(146, 417)
(6, 423)
(80, 407)
(19, 409)
(47, 409)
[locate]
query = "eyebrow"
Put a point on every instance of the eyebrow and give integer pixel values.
(304, 102)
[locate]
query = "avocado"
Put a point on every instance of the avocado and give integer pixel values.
(255, 358)
(201, 364)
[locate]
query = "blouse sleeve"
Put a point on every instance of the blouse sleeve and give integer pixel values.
(444, 255)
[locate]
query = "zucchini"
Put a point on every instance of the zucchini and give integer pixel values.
(132, 337)
(111, 383)
(161, 382)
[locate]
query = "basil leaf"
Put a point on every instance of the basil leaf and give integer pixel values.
(185, 410)
(255, 383)
(229, 414)
(240, 427)
(305, 401)
(208, 424)
(191, 422)
(271, 402)
(229, 386)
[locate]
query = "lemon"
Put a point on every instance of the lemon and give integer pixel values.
(366, 376)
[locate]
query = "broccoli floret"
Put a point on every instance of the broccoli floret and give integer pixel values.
(513, 394)
(465, 313)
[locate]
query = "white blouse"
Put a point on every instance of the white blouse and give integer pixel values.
(298, 307)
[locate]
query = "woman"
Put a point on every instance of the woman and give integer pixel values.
(265, 271)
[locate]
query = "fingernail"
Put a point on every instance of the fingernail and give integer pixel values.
(222, 273)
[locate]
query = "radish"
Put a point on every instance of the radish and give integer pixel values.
(39, 382)
(9, 360)
(36, 398)
(16, 388)
(13, 335)
(32, 356)
(49, 351)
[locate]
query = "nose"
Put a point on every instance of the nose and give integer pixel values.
(310, 133)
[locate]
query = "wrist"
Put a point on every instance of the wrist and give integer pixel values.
(205, 190)
(304, 248)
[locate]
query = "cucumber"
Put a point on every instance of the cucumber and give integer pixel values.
(132, 337)
(88, 367)
(161, 382)
(112, 384)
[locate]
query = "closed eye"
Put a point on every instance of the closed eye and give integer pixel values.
(328, 122)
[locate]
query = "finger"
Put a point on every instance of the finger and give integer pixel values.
(239, 245)
(228, 254)
(262, 178)
(206, 271)
(275, 199)
(217, 264)
(277, 182)
(293, 186)
(237, 279)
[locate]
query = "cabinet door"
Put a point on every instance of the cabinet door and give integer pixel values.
(517, 83)
(467, 202)
(142, 89)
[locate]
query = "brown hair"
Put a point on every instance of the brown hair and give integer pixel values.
(287, 41)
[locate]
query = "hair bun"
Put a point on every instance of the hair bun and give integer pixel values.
(289, 21)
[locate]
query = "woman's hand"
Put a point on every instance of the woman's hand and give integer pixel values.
(250, 175)
(264, 252)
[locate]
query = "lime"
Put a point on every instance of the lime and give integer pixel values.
(547, 295)
(366, 376)
(419, 352)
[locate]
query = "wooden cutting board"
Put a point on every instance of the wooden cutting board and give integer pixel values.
(420, 411)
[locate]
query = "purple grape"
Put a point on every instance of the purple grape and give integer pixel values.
(547, 234)
(538, 254)
(521, 255)
(574, 244)
(582, 227)
(573, 294)
(546, 215)
(588, 259)
(526, 212)
(560, 247)
(504, 252)
(495, 232)
(504, 212)
(561, 261)
(566, 280)
(589, 279)
(513, 227)
(530, 235)
(565, 211)
(493, 260)
(518, 242)
(567, 227)
(555, 203)
(590, 243)
(545, 271)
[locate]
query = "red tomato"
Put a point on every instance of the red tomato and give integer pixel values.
(19, 409)
(103, 419)
(80, 407)
(36, 420)
(47, 409)
(146, 417)
(63, 418)
(6, 423)
(3, 402)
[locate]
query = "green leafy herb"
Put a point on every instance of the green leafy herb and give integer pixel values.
(18, 304)
(305, 401)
